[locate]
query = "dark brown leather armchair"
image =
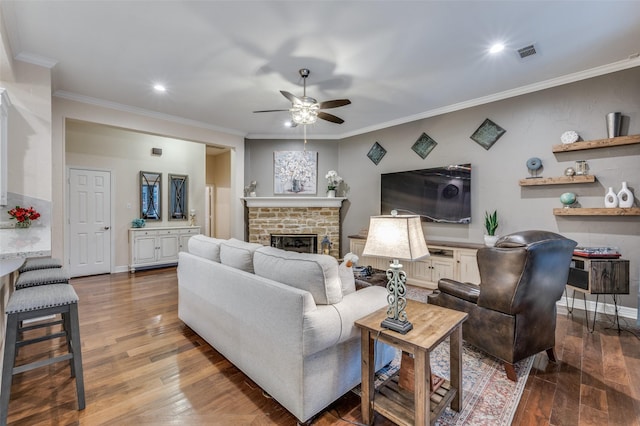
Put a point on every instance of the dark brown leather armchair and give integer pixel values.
(512, 313)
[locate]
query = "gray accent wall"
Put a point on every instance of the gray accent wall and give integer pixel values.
(533, 123)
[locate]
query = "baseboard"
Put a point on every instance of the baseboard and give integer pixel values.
(119, 269)
(604, 308)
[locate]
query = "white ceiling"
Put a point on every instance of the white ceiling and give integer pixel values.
(397, 61)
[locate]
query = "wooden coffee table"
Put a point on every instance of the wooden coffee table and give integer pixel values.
(431, 325)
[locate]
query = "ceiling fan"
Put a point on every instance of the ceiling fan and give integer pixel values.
(305, 109)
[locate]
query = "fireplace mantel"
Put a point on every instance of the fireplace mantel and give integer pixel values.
(293, 201)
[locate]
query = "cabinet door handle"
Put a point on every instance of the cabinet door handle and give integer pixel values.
(106, 228)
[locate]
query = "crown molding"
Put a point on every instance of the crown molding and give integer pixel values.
(63, 94)
(535, 87)
(31, 58)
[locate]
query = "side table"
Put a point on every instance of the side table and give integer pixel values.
(431, 326)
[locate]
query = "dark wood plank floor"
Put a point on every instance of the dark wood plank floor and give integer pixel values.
(143, 366)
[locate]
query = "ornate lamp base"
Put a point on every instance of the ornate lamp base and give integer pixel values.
(401, 327)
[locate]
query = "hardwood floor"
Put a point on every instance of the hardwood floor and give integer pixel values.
(143, 366)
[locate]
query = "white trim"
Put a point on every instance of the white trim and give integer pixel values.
(293, 201)
(39, 60)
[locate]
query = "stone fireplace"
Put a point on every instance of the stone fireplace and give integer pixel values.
(294, 216)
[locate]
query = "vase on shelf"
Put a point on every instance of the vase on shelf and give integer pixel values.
(24, 224)
(625, 196)
(614, 120)
(331, 193)
(610, 199)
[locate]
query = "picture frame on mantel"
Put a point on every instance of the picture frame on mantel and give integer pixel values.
(295, 172)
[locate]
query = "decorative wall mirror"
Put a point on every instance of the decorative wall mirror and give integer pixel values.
(150, 195)
(178, 197)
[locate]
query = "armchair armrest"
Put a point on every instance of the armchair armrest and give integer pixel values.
(465, 291)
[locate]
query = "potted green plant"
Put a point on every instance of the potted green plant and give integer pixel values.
(490, 225)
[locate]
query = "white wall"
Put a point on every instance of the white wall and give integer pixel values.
(125, 153)
(64, 109)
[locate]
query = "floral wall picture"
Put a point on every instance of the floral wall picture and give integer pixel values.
(295, 172)
(487, 134)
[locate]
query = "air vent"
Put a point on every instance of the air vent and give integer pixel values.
(525, 52)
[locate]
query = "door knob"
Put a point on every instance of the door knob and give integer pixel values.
(106, 228)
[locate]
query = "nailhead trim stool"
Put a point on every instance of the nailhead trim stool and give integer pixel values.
(39, 277)
(40, 263)
(35, 302)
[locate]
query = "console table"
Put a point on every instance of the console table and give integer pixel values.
(159, 246)
(447, 260)
(431, 326)
(598, 276)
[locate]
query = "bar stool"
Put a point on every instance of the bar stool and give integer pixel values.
(35, 302)
(33, 263)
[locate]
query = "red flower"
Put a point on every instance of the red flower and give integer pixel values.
(21, 214)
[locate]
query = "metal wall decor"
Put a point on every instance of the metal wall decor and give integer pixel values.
(376, 153)
(487, 134)
(178, 197)
(424, 145)
(150, 195)
(295, 172)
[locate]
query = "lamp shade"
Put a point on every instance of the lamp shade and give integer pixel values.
(396, 237)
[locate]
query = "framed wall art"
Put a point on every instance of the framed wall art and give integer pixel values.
(424, 145)
(295, 172)
(178, 196)
(487, 134)
(376, 153)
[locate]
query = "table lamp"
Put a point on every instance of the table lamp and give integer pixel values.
(396, 237)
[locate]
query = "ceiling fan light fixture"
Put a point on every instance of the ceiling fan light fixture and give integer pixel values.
(305, 113)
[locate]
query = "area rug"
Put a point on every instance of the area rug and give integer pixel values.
(489, 398)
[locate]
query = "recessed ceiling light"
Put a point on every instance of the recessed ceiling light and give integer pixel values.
(498, 47)
(159, 88)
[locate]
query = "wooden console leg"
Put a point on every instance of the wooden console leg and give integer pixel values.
(511, 372)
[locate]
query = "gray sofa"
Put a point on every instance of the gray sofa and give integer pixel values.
(285, 319)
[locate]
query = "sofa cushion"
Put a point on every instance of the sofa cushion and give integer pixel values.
(315, 273)
(238, 254)
(207, 247)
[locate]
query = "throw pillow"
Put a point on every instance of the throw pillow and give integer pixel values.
(238, 254)
(347, 279)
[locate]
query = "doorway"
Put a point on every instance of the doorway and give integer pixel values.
(89, 207)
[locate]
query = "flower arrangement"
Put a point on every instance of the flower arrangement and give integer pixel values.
(333, 180)
(23, 216)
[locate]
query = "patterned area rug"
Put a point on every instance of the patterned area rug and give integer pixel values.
(489, 398)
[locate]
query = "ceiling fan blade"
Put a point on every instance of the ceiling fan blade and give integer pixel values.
(330, 117)
(292, 98)
(334, 103)
(272, 110)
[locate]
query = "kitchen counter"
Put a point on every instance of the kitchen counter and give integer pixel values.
(17, 244)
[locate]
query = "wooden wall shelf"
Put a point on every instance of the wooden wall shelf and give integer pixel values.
(561, 180)
(618, 211)
(597, 143)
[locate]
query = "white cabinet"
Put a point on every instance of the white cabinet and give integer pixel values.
(155, 247)
(453, 261)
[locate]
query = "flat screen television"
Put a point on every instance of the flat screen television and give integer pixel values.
(439, 194)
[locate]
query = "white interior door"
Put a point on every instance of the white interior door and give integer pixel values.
(89, 222)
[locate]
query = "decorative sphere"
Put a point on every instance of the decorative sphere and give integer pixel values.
(569, 171)
(568, 198)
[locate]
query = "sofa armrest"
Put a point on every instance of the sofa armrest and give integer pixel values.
(464, 291)
(352, 307)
